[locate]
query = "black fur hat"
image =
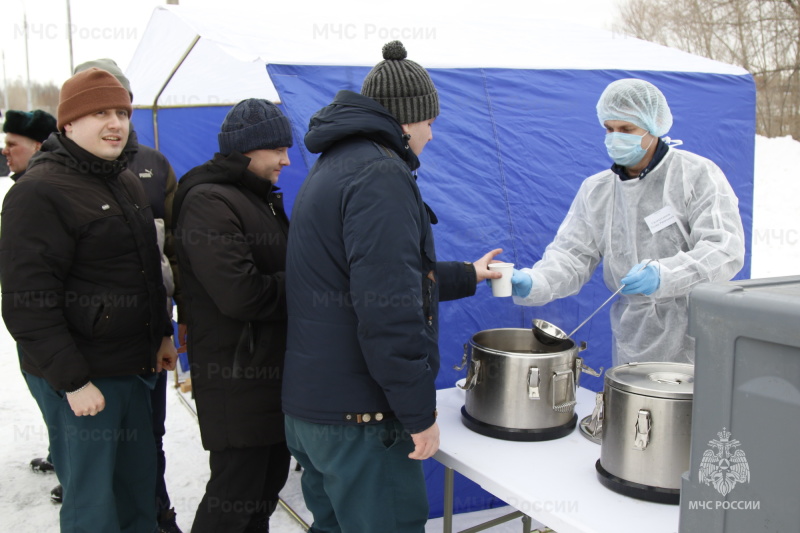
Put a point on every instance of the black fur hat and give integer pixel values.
(36, 125)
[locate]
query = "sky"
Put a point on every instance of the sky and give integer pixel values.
(113, 28)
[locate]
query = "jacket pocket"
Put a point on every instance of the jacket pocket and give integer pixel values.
(121, 315)
(251, 358)
(245, 348)
(93, 313)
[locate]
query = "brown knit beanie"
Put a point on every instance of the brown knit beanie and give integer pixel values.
(90, 91)
(402, 86)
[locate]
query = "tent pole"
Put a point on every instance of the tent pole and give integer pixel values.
(164, 86)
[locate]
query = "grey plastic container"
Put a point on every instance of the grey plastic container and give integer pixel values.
(743, 467)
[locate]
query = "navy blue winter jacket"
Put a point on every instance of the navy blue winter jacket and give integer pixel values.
(362, 280)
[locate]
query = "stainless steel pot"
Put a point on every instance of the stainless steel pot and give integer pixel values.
(646, 433)
(518, 388)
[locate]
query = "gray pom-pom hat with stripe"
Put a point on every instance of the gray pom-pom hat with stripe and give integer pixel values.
(402, 86)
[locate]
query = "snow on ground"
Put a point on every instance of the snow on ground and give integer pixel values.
(24, 495)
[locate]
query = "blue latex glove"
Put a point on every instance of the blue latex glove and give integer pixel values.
(521, 284)
(642, 280)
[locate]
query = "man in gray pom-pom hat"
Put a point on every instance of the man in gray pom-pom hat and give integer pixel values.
(231, 237)
(363, 288)
(402, 86)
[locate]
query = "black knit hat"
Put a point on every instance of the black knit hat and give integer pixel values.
(402, 86)
(36, 125)
(254, 124)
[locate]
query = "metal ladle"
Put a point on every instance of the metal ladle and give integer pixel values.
(551, 335)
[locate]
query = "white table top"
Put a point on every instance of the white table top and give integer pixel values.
(554, 481)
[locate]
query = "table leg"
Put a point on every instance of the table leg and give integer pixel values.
(447, 519)
(496, 522)
(526, 524)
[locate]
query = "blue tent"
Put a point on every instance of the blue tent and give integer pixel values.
(515, 139)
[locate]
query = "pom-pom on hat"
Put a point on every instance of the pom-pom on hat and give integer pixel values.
(402, 86)
(254, 124)
(36, 125)
(90, 91)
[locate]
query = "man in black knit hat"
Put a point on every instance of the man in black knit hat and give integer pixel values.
(231, 238)
(25, 133)
(363, 288)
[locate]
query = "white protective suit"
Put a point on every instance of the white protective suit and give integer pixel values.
(607, 221)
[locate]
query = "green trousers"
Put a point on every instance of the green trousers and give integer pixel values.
(359, 479)
(106, 463)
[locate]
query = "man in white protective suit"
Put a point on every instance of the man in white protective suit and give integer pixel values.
(662, 220)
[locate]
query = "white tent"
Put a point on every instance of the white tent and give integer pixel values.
(189, 57)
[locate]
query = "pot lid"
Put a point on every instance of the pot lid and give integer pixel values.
(661, 380)
(518, 342)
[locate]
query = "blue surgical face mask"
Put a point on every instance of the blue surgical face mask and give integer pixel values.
(625, 149)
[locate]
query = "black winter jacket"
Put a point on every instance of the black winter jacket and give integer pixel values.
(363, 282)
(79, 266)
(159, 182)
(231, 240)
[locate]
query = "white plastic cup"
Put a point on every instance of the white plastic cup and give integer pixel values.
(502, 286)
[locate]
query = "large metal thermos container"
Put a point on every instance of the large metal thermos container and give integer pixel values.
(519, 389)
(646, 435)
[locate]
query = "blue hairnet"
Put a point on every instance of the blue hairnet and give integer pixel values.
(638, 102)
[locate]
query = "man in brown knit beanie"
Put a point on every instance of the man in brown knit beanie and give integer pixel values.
(84, 299)
(160, 183)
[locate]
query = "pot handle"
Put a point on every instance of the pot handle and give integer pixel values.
(463, 359)
(533, 383)
(580, 366)
(472, 375)
(643, 425)
(595, 425)
(569, 394)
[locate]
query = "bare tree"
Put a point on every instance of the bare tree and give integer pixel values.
(762, 36)
(44, 96)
